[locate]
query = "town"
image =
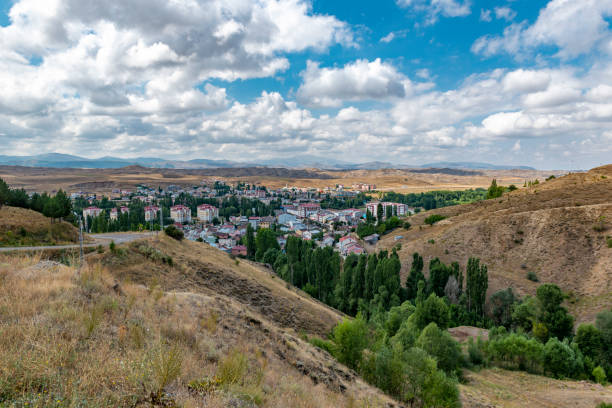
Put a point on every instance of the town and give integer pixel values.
(219, 214)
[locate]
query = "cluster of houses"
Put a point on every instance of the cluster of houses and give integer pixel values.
(301, 214)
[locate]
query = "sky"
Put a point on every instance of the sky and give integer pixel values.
(520, 82)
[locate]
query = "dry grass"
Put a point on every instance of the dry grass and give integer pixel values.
(76, 339)
(514, 389)
(22, 227)
(547, 229)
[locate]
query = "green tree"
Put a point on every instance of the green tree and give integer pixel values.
(432, 310)
(476, 286)
(5, 193)
(442, 346)
(559, 323)
(502, 304)
(351, 337)
(250, 242)
(415, 276)
(494, 190)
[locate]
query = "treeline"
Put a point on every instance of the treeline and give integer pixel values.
(58, 206)
(343, 203)
(437, 199)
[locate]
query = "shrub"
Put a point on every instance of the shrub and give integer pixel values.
(600, 224)
(475, 353)
(350, 337)
(174, 232)
(233, 368)
(407, 225)
(113, 246)
(324, 345)
(432, 219)
(609, 242)
(560, 359)
(531, 275)
(441, 345)
(432, 310)
(166, 364)
(599, 375)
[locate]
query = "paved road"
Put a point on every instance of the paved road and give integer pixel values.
(101, 239)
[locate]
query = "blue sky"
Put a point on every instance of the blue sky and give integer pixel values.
(405, 81)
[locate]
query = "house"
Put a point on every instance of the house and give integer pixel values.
(345, 242)
(353, 249)
(371, 239)
(306, 209)
(239, 250)
(150, 213)
(207, 212)
(286, 219)
(254, 221)
(327, 241)
(266, 222)
(91, 212)
(180, 214)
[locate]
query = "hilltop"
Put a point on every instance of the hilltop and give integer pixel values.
(23, 227)
(557, 229)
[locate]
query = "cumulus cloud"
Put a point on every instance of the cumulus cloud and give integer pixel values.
(359, 80)
(435, 8)
(574, 27)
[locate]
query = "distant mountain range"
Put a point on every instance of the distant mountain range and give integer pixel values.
(59, 160)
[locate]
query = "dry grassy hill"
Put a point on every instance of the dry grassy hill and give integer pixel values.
(558, 229)
(139, 330)
(164, 323)
(22, 227)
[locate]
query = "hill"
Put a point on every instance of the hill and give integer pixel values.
(22, 227)
(558, 229)
(134, 328)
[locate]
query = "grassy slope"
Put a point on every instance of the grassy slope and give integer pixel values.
(22, 227)
(68, 338)
(547, 229)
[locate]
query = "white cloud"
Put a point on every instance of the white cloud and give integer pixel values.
(573, 27)
(505, 13)
(435, 8)
(485, 15)
(360, 80)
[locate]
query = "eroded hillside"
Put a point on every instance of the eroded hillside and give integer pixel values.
(558, 229)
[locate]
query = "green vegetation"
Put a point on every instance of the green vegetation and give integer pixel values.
(174, 232)
(494, 190)
(54, 207)
(436, 199)
(342, 203)
(432, 219)
(383, 227)
(531, 275)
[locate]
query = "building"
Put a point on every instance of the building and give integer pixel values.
(364, 187)
(207, 212)
(286, 219)
(398, 209)
(151, 213)
(306, 209)
(91, 212)
(254, 221)
(114, 214)
(266, 222)
(180, 214)
(345, 242)
(239, 250)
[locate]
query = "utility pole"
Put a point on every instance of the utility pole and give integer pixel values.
(82, 257)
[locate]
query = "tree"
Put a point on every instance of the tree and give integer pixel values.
(433, 309)
(415, 276)
(351, 338)
(589, 340)
(379, 214)
(441, 345)
(559, 323)
(250, 241)
(64, 205)
(438, 276)
(264, 240)
(502, 303)
(494, 190)
(5, 193)
(476, 286)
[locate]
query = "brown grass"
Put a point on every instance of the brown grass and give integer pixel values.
(22, 227)
(547, 229)
(76, 339)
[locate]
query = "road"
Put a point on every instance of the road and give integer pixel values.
(100, 239)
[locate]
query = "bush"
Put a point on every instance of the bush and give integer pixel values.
(407, 225)
(432, 310)
(233, 368)
(531, 275)
(166, 364)
(324, 345)
(351, 337)
(475, 353)
(113, 246)
(599, 375)
(174, 232)
(600, 224)
(560, 359)
(609, 242)
(432, 219)
(441, 345)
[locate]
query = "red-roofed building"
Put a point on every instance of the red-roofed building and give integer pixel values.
(151, 213)
(207, 212)
(91, 212)
(239, 250)
(180, 214)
